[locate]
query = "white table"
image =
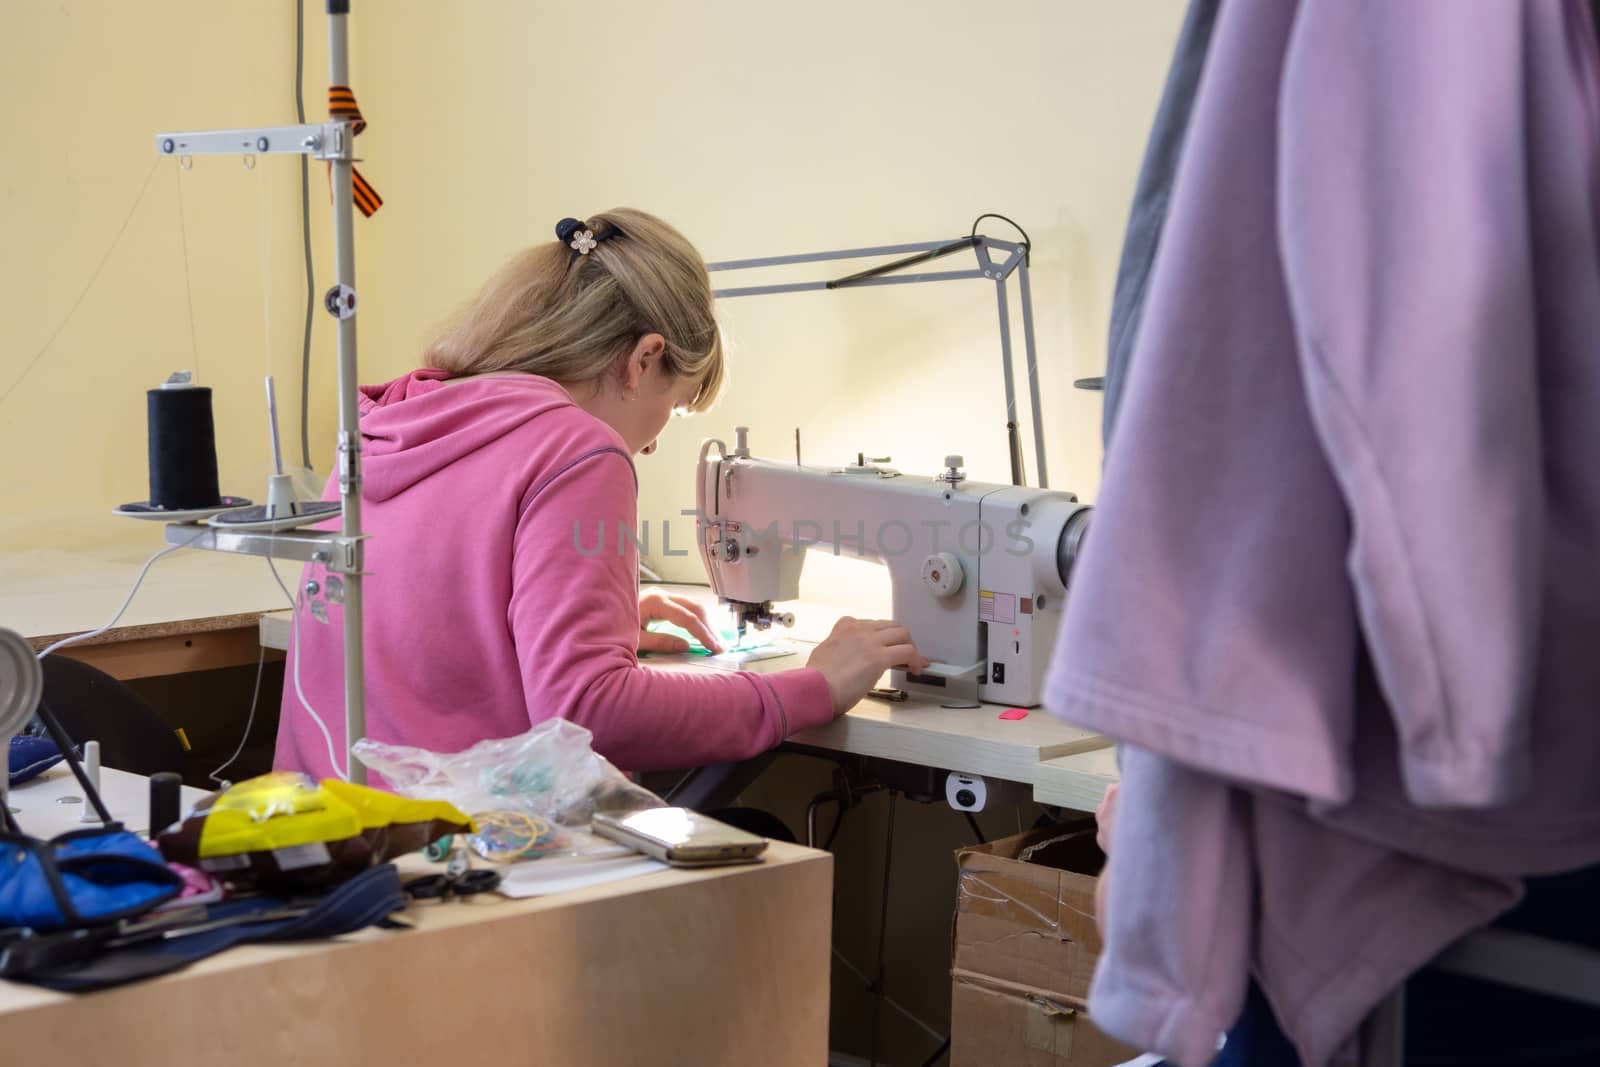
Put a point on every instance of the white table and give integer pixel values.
(1078, 782)
(971, 740)
(53, 803)
(921, 732)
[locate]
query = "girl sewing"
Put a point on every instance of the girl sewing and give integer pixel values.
(486, 611)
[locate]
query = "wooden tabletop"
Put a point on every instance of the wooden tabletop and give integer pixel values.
(1078, 782)
(721, 966)
(46, 594)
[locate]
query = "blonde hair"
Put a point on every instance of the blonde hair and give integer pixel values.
(568, 317)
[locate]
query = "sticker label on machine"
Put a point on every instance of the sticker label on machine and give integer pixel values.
(997, 607)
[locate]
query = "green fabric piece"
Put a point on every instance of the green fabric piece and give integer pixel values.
(661, 626)
(730, 639)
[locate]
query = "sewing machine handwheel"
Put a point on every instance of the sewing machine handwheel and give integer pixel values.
(1069, 546)
(942, 573)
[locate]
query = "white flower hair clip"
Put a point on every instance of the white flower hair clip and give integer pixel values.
(582, 240)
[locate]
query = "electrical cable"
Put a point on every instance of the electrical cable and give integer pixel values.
(1027, 245)
(249, 724)
(294, 654)
(305, 234)
(896, 1005)
(883, 932)
(80, 638)
(116, 240)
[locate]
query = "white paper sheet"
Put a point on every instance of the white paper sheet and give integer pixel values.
(740, 657)
(562, 874)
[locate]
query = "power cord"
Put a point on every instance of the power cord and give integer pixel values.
(1027, 245)
(137, 582)
(300, 694)
(255, 698)
(84, 292)
(305, 233)
(878, 995)
(249, 724)
(848, 796)
(896, 1005)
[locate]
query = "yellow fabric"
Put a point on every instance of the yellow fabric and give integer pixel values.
(376, 808)
(286, 808)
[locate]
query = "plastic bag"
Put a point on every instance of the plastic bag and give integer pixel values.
(531, 795)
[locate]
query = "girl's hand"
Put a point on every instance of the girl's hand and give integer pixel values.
(680, 611)
(856, 654)
(1104, 815)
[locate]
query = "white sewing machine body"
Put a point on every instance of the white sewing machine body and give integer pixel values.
(978, 570)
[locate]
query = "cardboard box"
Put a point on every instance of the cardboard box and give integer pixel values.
(1023, 952)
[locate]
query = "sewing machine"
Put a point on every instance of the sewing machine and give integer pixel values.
(979, 571)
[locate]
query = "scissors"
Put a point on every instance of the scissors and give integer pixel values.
(460, 884)
(458, 880)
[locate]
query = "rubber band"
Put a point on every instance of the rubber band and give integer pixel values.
(509, 836)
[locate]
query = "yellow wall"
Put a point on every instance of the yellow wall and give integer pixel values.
(88, 84)
(762, 129)
(757, 129)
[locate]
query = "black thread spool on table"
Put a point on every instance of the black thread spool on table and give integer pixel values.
(183, 454)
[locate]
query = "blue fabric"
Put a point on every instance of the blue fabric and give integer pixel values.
(81, 878)
(30, 757)
(368, 899)
(1256, 1039)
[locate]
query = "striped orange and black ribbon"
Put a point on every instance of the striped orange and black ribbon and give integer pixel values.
(342, 105)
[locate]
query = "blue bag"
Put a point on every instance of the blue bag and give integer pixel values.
(30, 757)
(83, 878)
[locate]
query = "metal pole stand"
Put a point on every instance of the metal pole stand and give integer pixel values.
(332, 142)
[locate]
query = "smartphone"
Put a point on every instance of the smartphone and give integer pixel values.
(681, 837)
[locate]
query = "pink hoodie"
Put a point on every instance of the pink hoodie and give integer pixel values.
(484, 617)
